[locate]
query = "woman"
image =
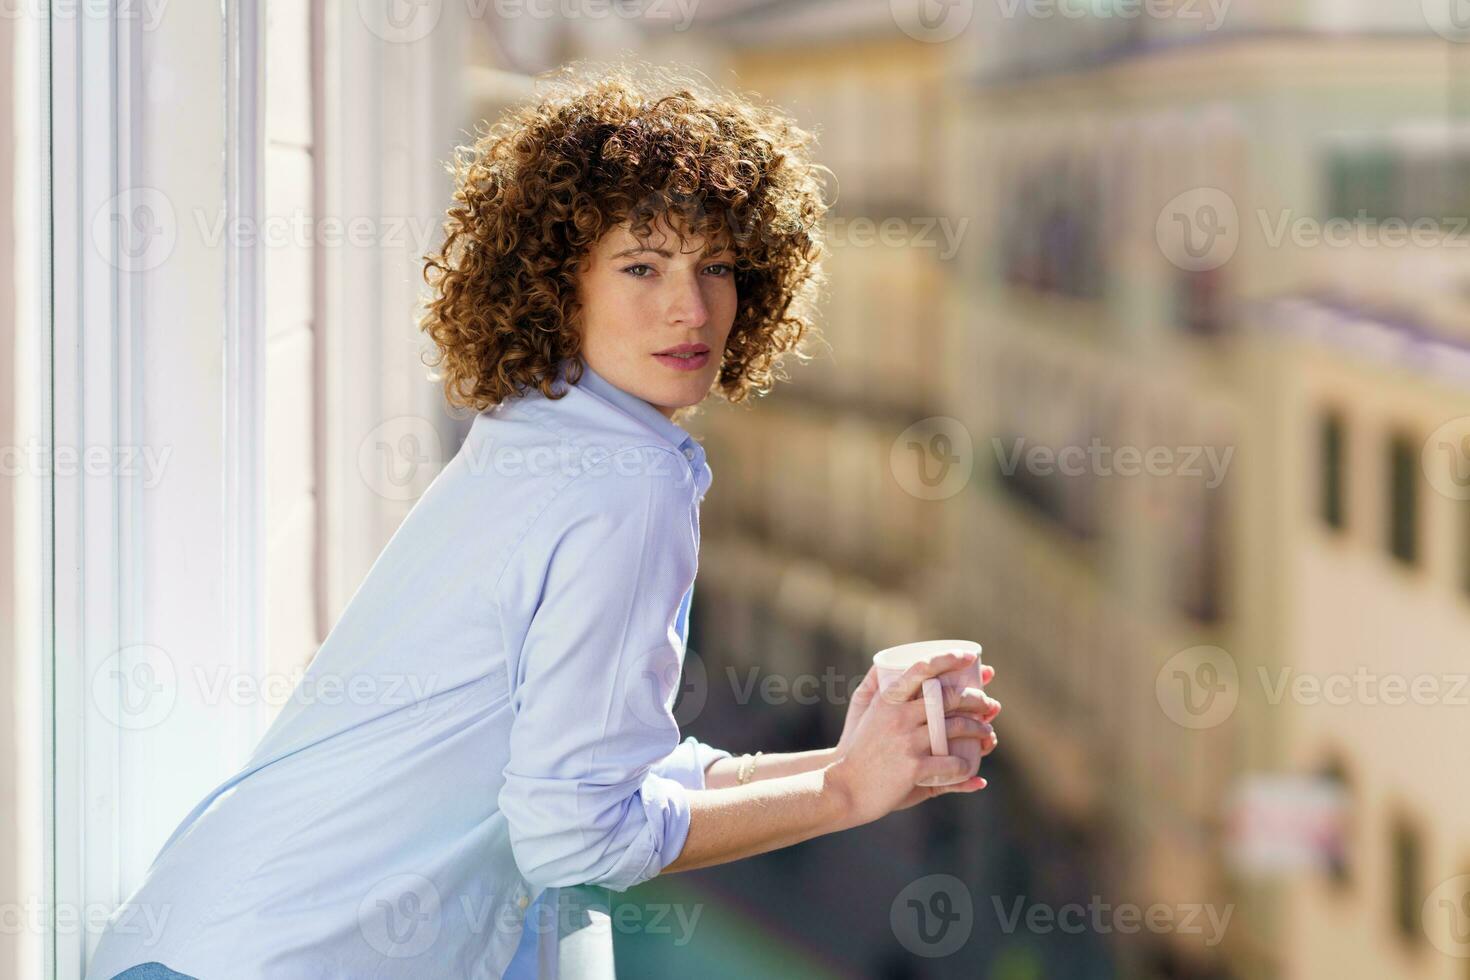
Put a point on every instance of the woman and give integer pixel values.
(612, 254)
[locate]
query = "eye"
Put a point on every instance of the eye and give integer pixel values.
(721, 265)
(630, 270)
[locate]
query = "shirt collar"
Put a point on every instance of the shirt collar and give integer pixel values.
(648, 414)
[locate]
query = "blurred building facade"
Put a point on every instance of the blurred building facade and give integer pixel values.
(1091, 324)
(1368, 413)
(1075, 316)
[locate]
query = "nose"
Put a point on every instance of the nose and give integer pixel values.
(687, 305)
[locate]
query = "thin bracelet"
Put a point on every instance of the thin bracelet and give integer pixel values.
(747, 768)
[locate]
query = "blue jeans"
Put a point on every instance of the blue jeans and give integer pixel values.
(150, 971)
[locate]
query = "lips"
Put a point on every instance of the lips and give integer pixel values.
(687, 357)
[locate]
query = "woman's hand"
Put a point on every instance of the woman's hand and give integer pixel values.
(884, 750)
(968, 701)
(973, 702)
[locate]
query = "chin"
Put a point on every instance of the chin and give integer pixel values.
(682, 396)
(675, 402)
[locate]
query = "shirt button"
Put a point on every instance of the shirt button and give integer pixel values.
(688, 453)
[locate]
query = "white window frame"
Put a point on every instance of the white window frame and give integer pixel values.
(171, 356)
(120, 92)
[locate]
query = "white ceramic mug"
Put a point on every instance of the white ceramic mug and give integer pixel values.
(891, 664)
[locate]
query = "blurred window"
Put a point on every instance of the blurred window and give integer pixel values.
(1407, 854)
(1465, 546)
(1339, 866)
(1362, 184)
(1332, 445)
(1403, 178)
(1199, 297)
(1198, 547)
(1403, 529)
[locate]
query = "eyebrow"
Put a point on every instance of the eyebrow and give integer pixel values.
(665, 253)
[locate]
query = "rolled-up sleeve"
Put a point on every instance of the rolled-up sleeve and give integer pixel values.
(590, 793)
(689, 761)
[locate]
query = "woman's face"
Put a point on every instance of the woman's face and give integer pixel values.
(640, 299)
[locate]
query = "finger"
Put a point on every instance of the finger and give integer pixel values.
(968, 699)
(985, 708)
(968, 786)
(988, 742)
(964, 726)
(911, 715)
(955, 698)
(891, 694)
(867, 688)
(896, 694)
(987, 674)
(969, 728)
(919, 742)
(943, 767)
(911, 681)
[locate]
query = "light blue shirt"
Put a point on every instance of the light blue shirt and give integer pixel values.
(502, 727)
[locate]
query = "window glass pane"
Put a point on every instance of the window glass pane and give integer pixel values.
(1403, 516)
(1331, 478)
(1405, 882)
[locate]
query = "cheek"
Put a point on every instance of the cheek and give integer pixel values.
(611, 306)
(724, 299)
(635, 310)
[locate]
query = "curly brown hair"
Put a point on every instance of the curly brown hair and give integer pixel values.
(602, 146)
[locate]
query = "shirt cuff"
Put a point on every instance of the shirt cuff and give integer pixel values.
(688, 762)
(666, 811)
